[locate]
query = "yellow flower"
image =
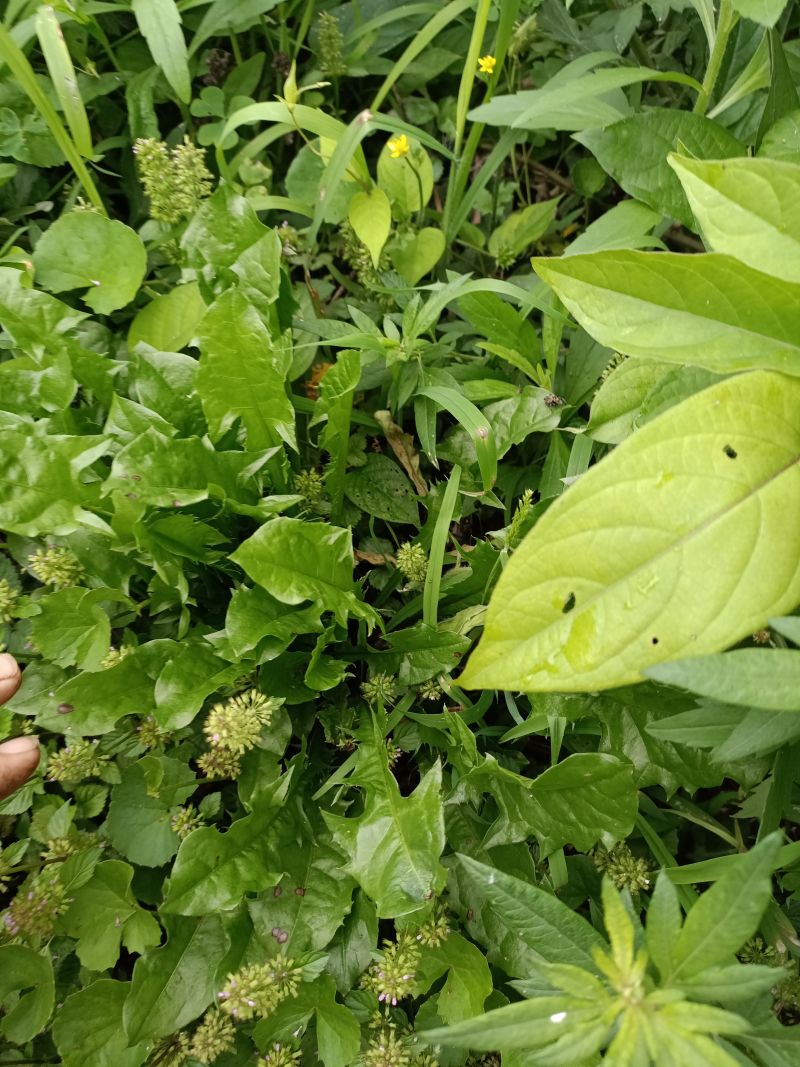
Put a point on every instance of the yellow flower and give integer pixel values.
(399, 146)
(486, 64)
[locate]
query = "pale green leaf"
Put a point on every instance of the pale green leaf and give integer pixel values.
(699, 498)
(84, 250)
(159, 22)
(747, 208)
(370, 215)
(521, 229)
(767, 678)
(765, 12)
(415, 255)
(168, 322)
(708, 310)
(242, 374)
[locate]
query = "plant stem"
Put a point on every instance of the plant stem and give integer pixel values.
(725, 23)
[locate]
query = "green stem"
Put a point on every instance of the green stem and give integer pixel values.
(725, 23)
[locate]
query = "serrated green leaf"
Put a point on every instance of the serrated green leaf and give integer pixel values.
(395, 845)
(688, 487)
(72, 629)
(242, 374)
(747, 208)
(86, 250)
(214, 870)
(708, 310)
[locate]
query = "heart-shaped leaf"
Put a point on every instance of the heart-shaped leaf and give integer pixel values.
(370, 216)
(417, 257)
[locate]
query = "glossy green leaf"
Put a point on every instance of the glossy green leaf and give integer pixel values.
(529, 1024)
(617, 404)
(709, 310)
(62, 74)
(519, 923)
(393, 847)
(138, 823)
(296, 561)
(159, 23)
(747, 208)
(168, 323)
(754, 677)
(173, 984)
(84, 250)
(727, 914)
(709, 479)
(634, 152)
(468, 982)
(242, 374)
(104, 1044)
(31, 973)
(214, 870)
(370, 215)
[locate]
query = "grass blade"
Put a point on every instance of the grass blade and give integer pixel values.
(433, 580)
(62, 74)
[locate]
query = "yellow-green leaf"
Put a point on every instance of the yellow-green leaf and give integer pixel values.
(370, 216)
(675, 545)
(747, 208)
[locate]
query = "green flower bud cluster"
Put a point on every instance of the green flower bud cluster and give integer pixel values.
(237, 723)
(75, 762)
(358, 256)
(56, 566)
(330, 46)
(756, 950)
(430, 690)
(38, 903)
(387, 1049)
(8, 600)
(114, 656)
(215, 1035)
(310, 485)
(280, 1056)
(381, 688)
(490, 1059)
(220, 763)
(150, 733)
(624, 869)
(393, 974)
(185, 820)
(435, 931)
(175, 180)
(412, 562)
(521, 515)
(173, 1051)
(61, 848)
(523, 37)
(257, 989)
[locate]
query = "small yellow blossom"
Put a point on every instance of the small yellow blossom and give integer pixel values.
(399, 146)
(486, 64)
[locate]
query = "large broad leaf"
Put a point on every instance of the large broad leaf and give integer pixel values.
(103, 1044)
(634, 152)
(72, 628)
(728, 913)
(242, 374)
(32, 974)
(159, 23)
(296, 561)
(168, 322)
(709, 310)
(214, 870)
(84, 250)
(767, 12)
(747, 208)
(520, 924)
(395, 844)
(766, 678)
(172, 985)
(41, 491)
(699, 498)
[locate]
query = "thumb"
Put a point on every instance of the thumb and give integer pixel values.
(18, 760)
